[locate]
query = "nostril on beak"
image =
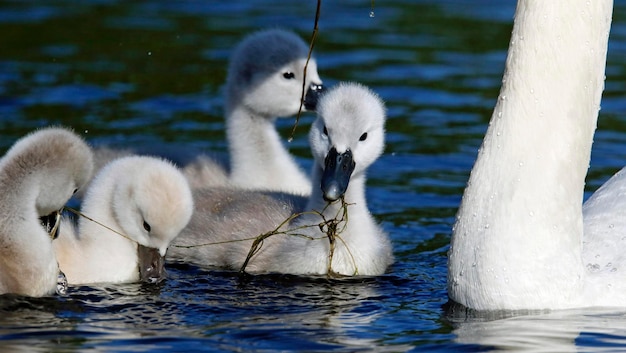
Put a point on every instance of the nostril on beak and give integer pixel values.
(312, 96)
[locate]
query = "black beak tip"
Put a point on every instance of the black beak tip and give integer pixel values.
(151, 265)
(336, 177)
(312, 96)
(332, 192)
(153, 279)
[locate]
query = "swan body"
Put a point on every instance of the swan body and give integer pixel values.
(604, 255)
(518, 238)
(145, 198)
(38, 175)
(346, 138)
(224, 214)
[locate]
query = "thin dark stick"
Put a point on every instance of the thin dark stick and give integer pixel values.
(306, 65)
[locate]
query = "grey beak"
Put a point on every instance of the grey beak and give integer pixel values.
(151, 264)
(312, 96)
(337, 171)
(51, 223)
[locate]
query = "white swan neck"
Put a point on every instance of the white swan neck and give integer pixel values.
(29, 265)
(258, 158)
(354, 197)
(518, 235)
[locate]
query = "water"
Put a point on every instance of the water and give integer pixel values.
(128, 74)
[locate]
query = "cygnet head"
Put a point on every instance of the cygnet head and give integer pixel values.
(266, 75)
(347, 136)
(60, 160)
(152, 203)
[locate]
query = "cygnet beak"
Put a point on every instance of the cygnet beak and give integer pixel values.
(51, 223)
(337, 171)
(151, 264)
(312, 96)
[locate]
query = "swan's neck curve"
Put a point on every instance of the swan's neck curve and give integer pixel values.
(258, 159)
(363, 248)
(28, 261)
(354, 198)
(518, 234)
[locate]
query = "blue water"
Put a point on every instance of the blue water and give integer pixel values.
(142, 73)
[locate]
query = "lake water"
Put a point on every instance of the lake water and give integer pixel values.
(144, 73)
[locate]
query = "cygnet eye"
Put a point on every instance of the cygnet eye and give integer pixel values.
(363, 137)
(289, 75)
(75, 190)
(325, 131)
(146, 226)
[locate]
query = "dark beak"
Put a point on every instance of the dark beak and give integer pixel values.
(337, 171)
(312, 96)
(51, 223)
(151, 269)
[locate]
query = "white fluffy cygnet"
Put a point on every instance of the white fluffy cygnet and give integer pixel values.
(346, 138)
(146, 199)
(264, 82)
(38, 175)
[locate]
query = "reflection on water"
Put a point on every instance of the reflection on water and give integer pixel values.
(560, 331)
(139, 74)
(265, 312)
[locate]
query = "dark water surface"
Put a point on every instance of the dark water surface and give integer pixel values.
(144, 73)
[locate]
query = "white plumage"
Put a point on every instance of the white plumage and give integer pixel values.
(146, 199)
(346, 138)
(519, 241)
(38, 175)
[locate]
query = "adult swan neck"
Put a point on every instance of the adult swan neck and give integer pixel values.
(517, 240)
